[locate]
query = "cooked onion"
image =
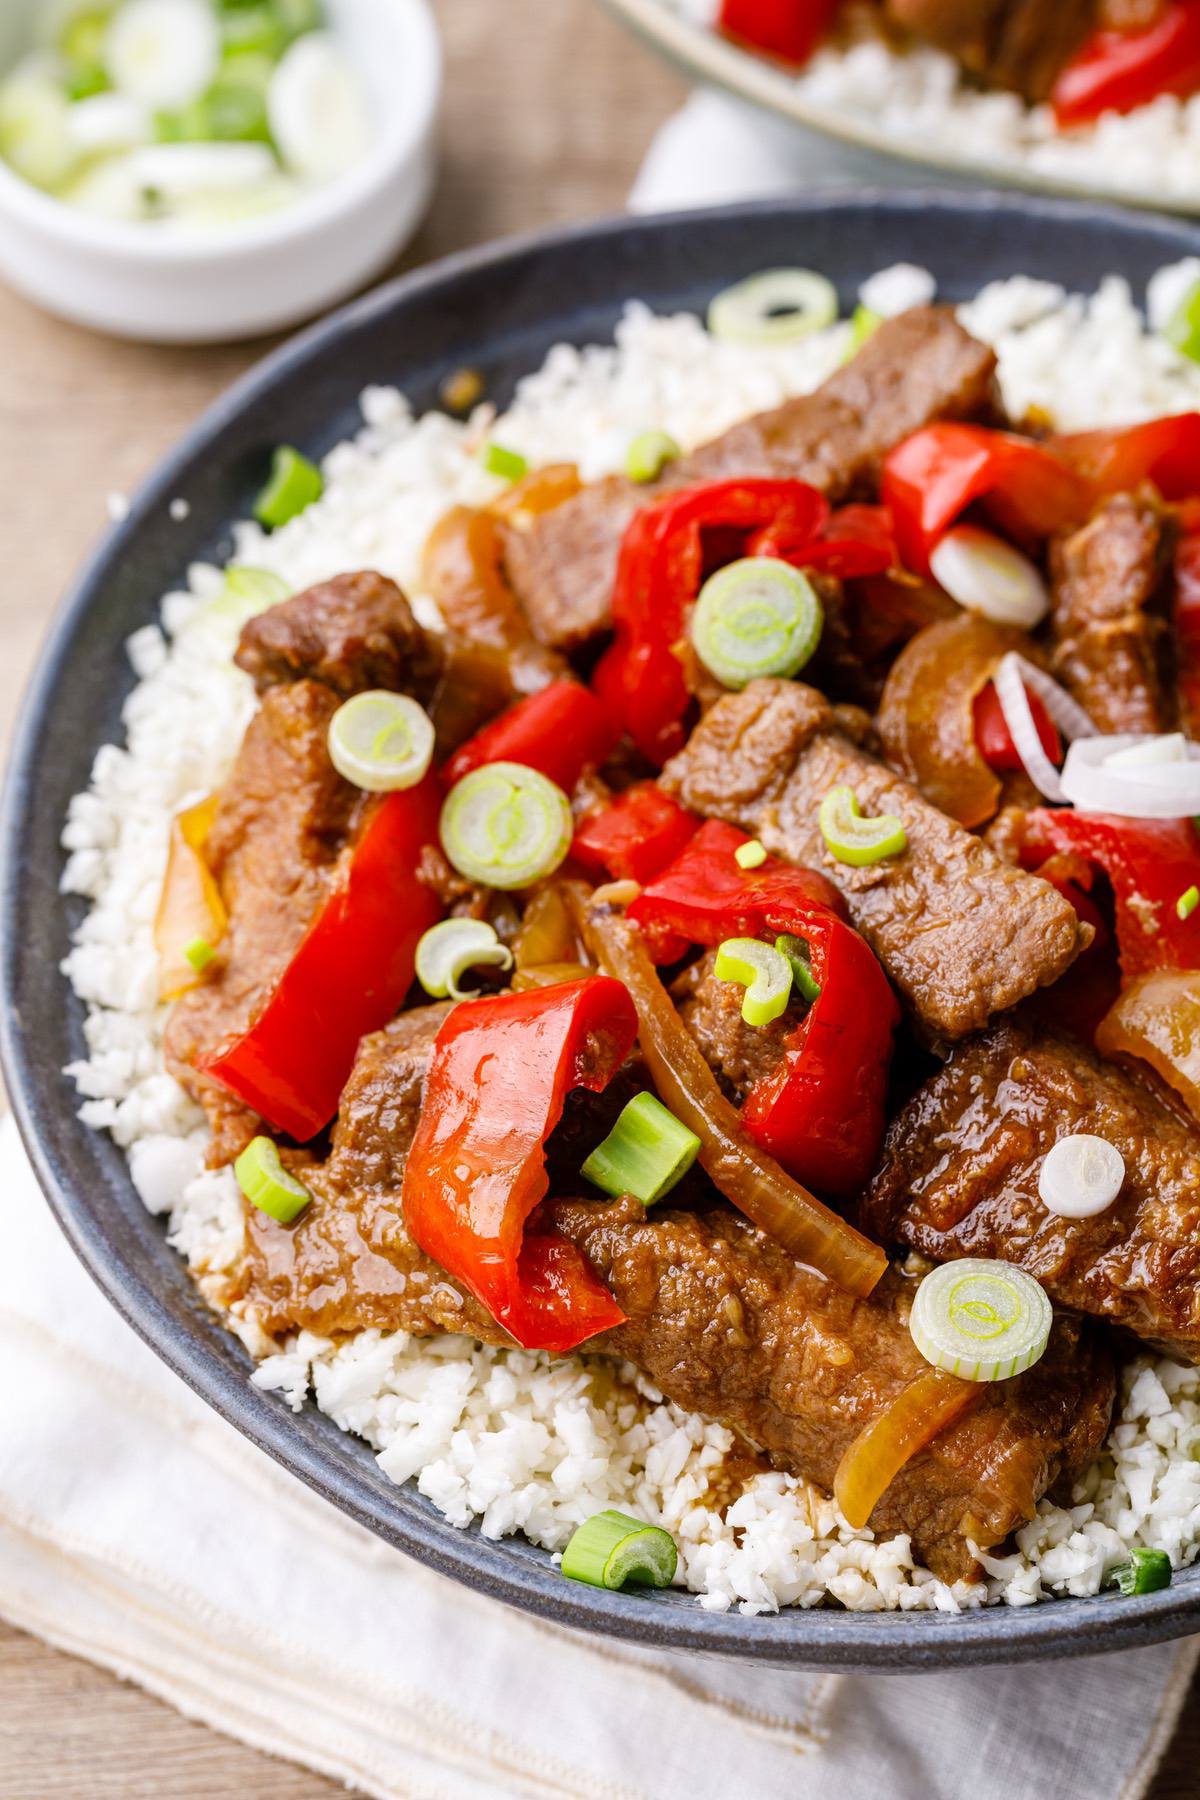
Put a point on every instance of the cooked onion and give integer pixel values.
(1013, 676)
(746, 1175)
(1157, 1019)
(1161, 782)
(919, 1413)
(927, 714)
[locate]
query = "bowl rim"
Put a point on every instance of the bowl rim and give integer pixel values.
(812, 1638)
(396, 148)
(708, 57)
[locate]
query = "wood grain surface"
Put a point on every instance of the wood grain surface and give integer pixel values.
(550, 108)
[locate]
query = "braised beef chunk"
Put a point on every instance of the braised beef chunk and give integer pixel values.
(1018, 44)
(352, 633)
(918, 367)
(960, 1178)
(741, 1055)
(348, 1264)
(283, 819)
(962, 935)
(726, 1323)
(1111, 616)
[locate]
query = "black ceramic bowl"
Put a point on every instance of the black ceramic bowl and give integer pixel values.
(498, 311)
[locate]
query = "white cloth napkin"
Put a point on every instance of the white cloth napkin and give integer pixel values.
(139, 1530)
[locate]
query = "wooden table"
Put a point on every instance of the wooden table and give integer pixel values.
(550, 110)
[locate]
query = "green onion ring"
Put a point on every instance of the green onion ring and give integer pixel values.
(649, 454)
(981, 1320)
(381, 741)
(756, 617)
(612, 1549)
(448, 950)
(506, 826)
(294, 485)
(646, 1154)
(764, 972)
(853, 839)
(267, 1184)
(779, 306)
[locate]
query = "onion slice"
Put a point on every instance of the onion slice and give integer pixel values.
(746, 1175)
(1137, 777)
(919, 1413)
(1013, 675)
(988, 576)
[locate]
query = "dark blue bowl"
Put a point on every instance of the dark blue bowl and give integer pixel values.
(499, 311)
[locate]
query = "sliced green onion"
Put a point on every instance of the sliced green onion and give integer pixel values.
(267, 1184)
(506, 826)
(649, 454)
(800, 958)
(510, 465)
(612, 1550)
(256, 30)
(1182, 329)
(646, 1153)
(750, 856)
(448, 950)
(199, 953)
(381, 741)
(1145, 1573)
(777, 307)
(981, 1320)
(250, 591)
(864, 323)
(756, 617)
(294, 485)
(764, 972)
(853, 839)
(1187, 903)
(82, 34)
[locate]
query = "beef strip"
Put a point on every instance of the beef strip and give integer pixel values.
(960, 1178)
(961, 934)
(726, 1323)
(283, 819)
(719, 1316)
(1111, 614)
(915, 368)
(1018, 44)
(351, 633)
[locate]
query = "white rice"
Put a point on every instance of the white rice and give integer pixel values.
(513, 1439)
(922, 97)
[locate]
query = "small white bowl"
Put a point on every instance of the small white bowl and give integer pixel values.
(194, 285)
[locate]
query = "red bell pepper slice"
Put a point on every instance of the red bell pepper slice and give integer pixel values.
(1150, 863)
(1164, 451)
(636, 835)
(995, 740)
(822, 1113)
(856, 542)
(559, 731)
(1116, 71)
(930, 478)
(788, 29)
(501, 1070)
(347, 978)
(640, 678)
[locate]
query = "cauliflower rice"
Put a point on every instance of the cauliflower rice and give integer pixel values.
(519, 1441)
(921, 96)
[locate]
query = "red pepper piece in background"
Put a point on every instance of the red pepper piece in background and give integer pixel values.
(501, 1070)
(822, 1112)
(1151, 864)
(636, 835)
(1116, 71)
(348, 976)
(1164, 451)
(640, 678)
(856, 542)
(930, 478)
(995, 739)
(788, 29)
(559, 731)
